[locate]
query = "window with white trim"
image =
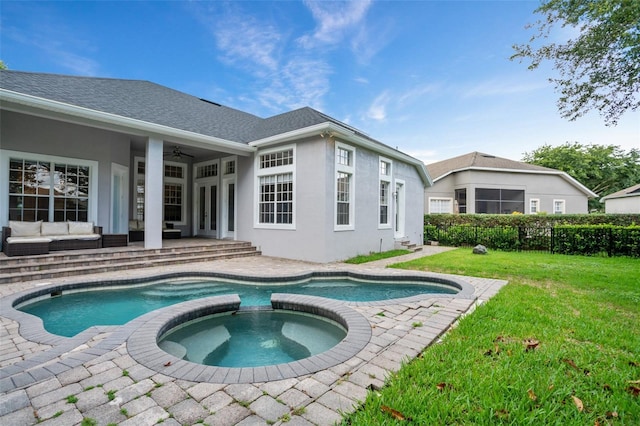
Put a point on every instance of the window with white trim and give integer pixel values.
(384, 217)
(276, 181)
(345, 169)
(207, 170)
(174, 184)
(49, 188)
(558, 206)
(140, 168)
(440, 205)
(229, 167)
(460, 200)
(534, 205)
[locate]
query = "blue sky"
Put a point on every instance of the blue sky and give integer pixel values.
(432, 78)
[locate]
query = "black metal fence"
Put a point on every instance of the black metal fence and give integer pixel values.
(584, 240)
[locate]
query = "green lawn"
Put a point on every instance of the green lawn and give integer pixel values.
(377, 256)
(560, 344)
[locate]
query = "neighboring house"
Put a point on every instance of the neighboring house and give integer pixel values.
(299, 185)
(483, 183)
(625, 201)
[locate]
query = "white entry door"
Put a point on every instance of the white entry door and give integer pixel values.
(228, 216)
(207, 209)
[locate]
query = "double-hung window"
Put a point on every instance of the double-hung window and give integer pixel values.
(558, 207)
(345, 187)
(534, 205)
(384, 217)
(276, 182)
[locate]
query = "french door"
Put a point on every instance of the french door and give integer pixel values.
(207, 209)
(228, 222)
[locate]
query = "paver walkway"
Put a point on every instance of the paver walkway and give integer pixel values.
(69, 384)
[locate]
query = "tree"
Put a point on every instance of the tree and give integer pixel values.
(599, 68)
(603, 169)
(2, 65)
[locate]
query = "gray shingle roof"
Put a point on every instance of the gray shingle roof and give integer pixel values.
(480, 160)
(153, 103)
(137, 99)
(287, 122)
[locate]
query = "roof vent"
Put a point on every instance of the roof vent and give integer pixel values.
(210, 102)
(488, 156)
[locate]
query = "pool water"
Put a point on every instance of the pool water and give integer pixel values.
(73, 312)
(252, 338)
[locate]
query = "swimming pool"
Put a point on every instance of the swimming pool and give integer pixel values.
(68, 311)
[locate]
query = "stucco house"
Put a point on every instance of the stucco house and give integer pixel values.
(299, 185)
(624, 201)
(483, 183)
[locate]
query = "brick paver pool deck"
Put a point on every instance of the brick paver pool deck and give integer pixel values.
(47, 380)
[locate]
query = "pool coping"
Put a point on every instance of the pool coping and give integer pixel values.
(39, 367)
(31, 327)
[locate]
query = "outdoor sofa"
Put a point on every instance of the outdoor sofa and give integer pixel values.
(28, 238)
(136, 231)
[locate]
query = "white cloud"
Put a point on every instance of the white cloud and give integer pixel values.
(244, 40)
(283, 76)
(378, 109)
(416, 93)
(77, 63)
(502, 87)
(300, 82)
(333, 19)
(61, 45)
(427, 156)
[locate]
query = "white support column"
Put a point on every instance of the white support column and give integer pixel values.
(153, 194)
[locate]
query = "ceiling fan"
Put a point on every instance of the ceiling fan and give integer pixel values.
(177, 153)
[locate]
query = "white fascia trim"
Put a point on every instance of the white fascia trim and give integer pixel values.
(563, 175)
(314, 130)
(395, 154)
(349, 136)
(142, 128)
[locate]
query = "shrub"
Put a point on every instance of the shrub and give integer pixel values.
(597, 239)
(531, 220)
(614, 235)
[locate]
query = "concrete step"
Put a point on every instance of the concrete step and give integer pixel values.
(65, 264)
(113, 252)
(80, 261)
(406, 245)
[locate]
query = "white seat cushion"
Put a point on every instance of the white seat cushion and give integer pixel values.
(55, 228)
(20, 240)
(25, 229)
(76, 228)
(74, 237)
